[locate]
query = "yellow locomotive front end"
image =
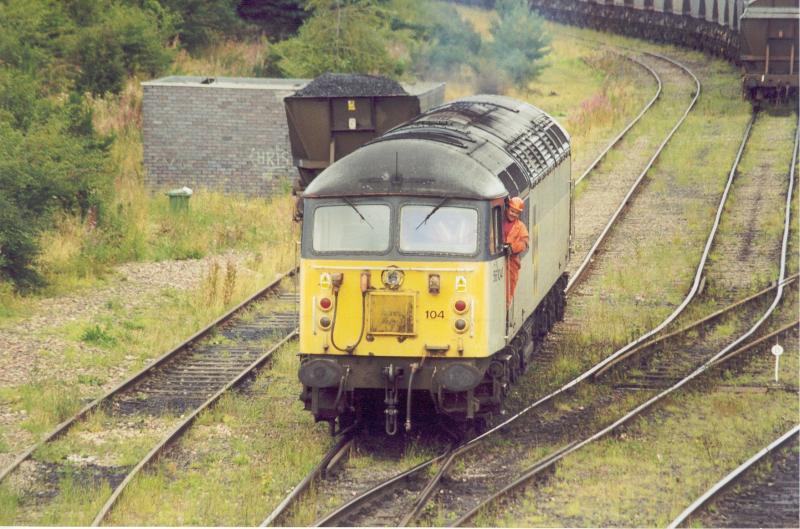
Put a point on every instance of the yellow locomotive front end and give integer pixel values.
(398, 297)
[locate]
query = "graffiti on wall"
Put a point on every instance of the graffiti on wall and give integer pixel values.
(271, 158)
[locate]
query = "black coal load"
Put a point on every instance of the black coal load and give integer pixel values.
(351, 85)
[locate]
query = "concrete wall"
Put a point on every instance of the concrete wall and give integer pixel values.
(228, 135)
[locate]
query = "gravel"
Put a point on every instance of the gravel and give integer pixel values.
(351, 85)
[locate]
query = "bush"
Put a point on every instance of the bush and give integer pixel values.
(519, 41)
(447, 41)
(57, 164)
(200, 23)
(280, 19)
(346, 36)
(18, 248)
(128, 41)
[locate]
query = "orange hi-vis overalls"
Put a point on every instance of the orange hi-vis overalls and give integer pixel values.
(515, 234)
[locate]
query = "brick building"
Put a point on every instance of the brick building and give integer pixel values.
(227, 133)
(224, 133)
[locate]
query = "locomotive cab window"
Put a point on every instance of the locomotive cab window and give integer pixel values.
(496, 233)
(428, 229)
(352, 228)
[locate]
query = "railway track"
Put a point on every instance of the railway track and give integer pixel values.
(165, 397)
(596, 232)
(743, 343)
(386, 497)
(377, 498)
(745, 498)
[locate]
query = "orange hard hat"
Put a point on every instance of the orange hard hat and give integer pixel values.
(516, 204)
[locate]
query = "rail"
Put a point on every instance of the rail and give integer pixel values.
(183, 426)
(732, 477)
(630, 125)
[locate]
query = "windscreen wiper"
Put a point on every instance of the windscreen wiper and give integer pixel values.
(434, 210)
(358, 212)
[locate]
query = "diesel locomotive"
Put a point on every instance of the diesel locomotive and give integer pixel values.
(759, 35)
(403, 265)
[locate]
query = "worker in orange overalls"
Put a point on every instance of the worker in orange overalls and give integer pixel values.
(515, 236)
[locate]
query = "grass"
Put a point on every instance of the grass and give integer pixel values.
(111, 442)
(70, 508)
(107, 440)
(46, 401)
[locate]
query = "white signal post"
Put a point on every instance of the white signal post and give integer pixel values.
(777, 350)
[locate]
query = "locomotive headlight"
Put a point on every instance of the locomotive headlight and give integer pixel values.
(392, 278)
(460, 325)
(324, 322)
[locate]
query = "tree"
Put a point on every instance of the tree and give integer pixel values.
(340, 36)
(125, 41)
(447, 42)
(203, 22)
(280, 19)
(519, 41)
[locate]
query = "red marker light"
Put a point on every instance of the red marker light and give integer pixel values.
(325, 303)
(461, 305)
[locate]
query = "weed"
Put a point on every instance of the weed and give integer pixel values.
(230, 282)
(96, 335)
(46, 401)
(9, 505)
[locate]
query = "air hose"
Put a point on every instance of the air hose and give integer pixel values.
(350, 348)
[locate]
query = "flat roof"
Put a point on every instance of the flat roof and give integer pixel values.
(263, 83)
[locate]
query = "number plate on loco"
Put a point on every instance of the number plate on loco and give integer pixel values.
(391, 313)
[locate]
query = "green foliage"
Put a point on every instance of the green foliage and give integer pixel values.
(88, 44)
(50, 159)
(519, 41)
(203, 22)
(340, 36)
(127, 41)
(446, 41)
(280, 19)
